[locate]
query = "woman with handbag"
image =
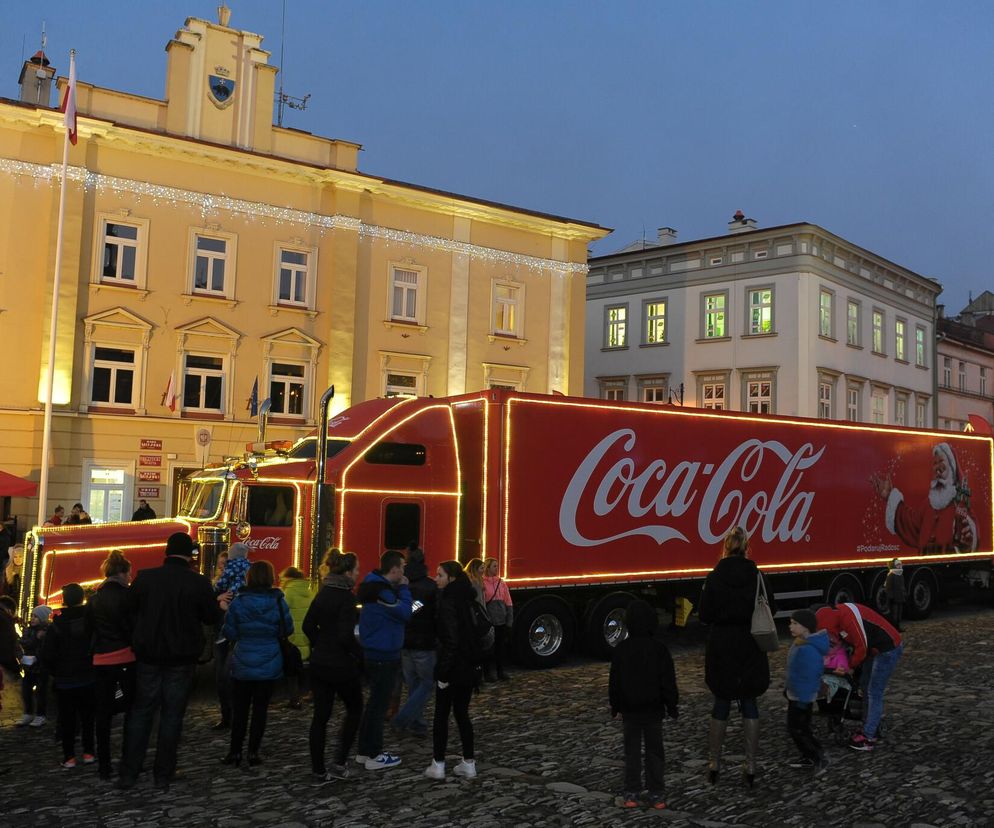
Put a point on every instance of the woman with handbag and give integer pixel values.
(736, 668)
(257, 621)
(497, 599)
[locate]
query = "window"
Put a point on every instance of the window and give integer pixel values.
(286, 389)
(655, 322)
(294, 268)
(920, 412)
(120, 254)
(401, 385)
(714, 315)
(759, 396)
(852, 403)
(899, 328)
(113, 380)
(406, 300)
(396, 454)
(825, 301)
(616, 335)
(401, 524)
(613, 388)
(878, 332)
(614, 393)
(825, 400)
(270, 505)
(878, 407)
(983, 381)
(713, 396)
(947, 372)
(654, 394)
(852, 323)
(920, 347)
(761, 311)
(901, 411)
(506, 300)
(203, 383)
(106, 491)
(654, 388)
(962, 376)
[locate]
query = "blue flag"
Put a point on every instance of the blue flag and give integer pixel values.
(253, 403)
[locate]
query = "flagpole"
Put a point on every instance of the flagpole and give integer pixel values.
(53, 328)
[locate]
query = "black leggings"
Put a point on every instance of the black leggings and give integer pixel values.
(75, 707)
(455, 699)
(245, 694)
(109, 678)
(350, 692)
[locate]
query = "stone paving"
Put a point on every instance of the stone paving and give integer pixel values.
(549, 755)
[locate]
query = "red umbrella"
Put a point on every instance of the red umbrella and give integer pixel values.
(11, 486)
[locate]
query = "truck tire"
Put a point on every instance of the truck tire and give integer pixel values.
(544, 631)
(923, 592)
(877, 597)
(605, 625)
(844, 588)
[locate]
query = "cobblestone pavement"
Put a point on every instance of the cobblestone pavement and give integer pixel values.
(549, 755)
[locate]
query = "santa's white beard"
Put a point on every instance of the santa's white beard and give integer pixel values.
(941, 493)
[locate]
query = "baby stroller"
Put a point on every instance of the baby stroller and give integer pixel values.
(839, 699)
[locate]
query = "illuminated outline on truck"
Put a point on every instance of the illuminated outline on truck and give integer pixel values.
(676, 412)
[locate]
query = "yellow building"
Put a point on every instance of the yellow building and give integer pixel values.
(204, 244)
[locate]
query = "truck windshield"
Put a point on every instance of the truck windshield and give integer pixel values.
(203, 500)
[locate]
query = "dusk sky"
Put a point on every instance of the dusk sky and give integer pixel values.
(873, 120)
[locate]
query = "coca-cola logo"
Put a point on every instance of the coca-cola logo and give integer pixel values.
(269, 542)
(731, 495)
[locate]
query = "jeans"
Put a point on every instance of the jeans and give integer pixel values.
(648, 728)
(75, 707)
(419, 671)
(109, 678)
(455, 699)
(381, 676)
(324, 697)
(222, 678)
(799, 728)
(34, 690)
(877, 671)
(246, 694)
(162, 688)
(723, 707)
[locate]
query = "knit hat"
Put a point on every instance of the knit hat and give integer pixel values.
(72, 595)
(42, 612)
(806, 618)
(238, 550)
(180, 543)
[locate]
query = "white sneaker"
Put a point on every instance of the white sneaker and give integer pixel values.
(466, 767)
(382, 762)
(360, 759)
(26, 719)
(436, 770)
(38, 721)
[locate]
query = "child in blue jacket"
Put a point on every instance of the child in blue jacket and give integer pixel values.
(805, 664)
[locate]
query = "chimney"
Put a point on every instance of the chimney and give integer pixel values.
(36, 80)
(666, 235)
(741, 224)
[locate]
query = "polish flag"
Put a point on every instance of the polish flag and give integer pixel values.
(169, 397)
(69, 104)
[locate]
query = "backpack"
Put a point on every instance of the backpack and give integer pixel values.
(482, 639)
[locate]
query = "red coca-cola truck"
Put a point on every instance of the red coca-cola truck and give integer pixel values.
(585, 504)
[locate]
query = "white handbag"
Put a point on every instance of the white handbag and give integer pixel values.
(763, 628)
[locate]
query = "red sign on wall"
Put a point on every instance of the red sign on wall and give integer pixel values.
(148, 491)
(149, 460)
(149, 476)
(148, 444)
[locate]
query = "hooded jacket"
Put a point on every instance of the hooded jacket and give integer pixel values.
(386, 609)
(805, 665)
(330, 627)
(252, 625)
(734, 666)
(642, 678)
(866, 631)
(66, 650)
(420, 633)
(457, 659)
(299, 594)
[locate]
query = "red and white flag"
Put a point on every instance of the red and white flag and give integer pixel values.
(69, 102)
(169, 397)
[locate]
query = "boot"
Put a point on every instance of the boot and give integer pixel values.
(750, 728)
(716, 738)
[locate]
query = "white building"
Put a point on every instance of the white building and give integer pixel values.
(786, 320)
(965, 364)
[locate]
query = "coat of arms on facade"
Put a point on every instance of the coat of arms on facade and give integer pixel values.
(220, 90)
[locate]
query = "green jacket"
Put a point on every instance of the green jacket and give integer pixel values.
(299, 595)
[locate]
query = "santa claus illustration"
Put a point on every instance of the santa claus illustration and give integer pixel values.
(943, 522)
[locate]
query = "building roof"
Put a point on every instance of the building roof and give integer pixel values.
(983, 304)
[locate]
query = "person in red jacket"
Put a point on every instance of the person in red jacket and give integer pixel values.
(877, 646)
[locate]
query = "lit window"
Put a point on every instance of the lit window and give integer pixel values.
(401, 385)
(104, 492)
(293, 271)
(761, 311)
(286, 389)
(878, 408)
(825, 400)
(852, 404)
(713, 396)
(120, 254)
(920, 347)
(878, 332)
(505, 301)
(825, 300)
(210, 265)
(714, 316)
(113, 376)
(899, 328)
(617, 326)
(852, 323)
(406, 301)
(203, 384)
(655, 323)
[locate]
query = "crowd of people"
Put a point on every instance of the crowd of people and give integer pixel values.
(133, 648)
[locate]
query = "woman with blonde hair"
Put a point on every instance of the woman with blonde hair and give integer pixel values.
(735, 668)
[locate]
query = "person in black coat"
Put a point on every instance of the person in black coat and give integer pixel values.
(336, 661)
(642, 688)
(735, 668)
(113, 659)
(417, 659)
(457, 668)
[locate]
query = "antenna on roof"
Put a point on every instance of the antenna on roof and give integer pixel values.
(44, 37)
(282, 99)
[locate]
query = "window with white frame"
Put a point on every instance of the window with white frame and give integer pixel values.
(293, 276)
(715, 318)
(713, 396)
(878, 331)
(759, 396)
(920, 346)
(407, 294)
(506, 308)
(825, 302)
(210, 267)
(852, 323)
(121, 252)
(852, 403)
(878, 407)
(983, 381)
(654, 389)
(962, 376)
(760, 311)
(616, 326)
(825, 400)
(655, 322)
(286, 388)
(947, 372)
(901, 410)
(107, 487)
(613, 388)
(113, 377)
(921, 411)
(900, 327)
(401, 384)
(203, 383)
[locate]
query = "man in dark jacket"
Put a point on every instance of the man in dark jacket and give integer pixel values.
(894, 588)
(417, 659)
(144, 511)
(171, 605)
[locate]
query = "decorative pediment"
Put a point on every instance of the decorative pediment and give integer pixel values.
(116, 318)
(292, 336)
(211, 328)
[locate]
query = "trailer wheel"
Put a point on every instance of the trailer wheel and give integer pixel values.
(605, 627)
(922, 594)
(543, 632)
(844, 589)
(877, 595)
